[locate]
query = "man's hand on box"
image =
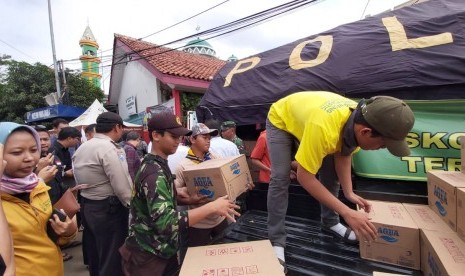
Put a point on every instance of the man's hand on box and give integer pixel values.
(250, 185)
(184, 198)
(222, 206)
(360, 201)
(198, 199)
(361, 225)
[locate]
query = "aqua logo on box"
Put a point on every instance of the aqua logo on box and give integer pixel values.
(441, 195)
(206, 192)
(235, 168)
(204, 183)
(388, 234)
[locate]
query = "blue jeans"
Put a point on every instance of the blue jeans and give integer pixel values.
(280, 144)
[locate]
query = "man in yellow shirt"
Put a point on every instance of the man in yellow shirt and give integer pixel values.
(329, 129)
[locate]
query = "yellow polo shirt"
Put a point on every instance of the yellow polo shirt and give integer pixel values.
(317, 120)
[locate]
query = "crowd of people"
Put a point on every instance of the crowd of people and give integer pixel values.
(136, 213)
(131, 206)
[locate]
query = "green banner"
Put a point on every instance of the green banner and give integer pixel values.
(434, 142)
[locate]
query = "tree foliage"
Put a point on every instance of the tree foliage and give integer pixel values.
(23, 87)
(189, 101)
(81, 92)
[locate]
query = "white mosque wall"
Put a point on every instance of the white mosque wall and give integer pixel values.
(138, 84)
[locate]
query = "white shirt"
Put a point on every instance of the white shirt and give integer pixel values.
(174, 159)
(223, 147)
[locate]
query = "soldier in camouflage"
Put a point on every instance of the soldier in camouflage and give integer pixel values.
(155, 226)
(228, 132)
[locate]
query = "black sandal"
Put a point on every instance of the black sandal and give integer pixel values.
(344, 238)
(283, 263)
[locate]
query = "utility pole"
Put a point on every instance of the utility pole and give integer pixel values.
(57, 78)
(65, 86)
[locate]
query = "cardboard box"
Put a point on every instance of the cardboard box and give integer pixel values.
(442, 198)
(398, 239)
(219, 177)
(425, 218)
(461, 213)
(243, 258)
(442, 253)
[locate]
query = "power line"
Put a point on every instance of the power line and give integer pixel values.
(175, 24)
(11, 46)
(365, 9)
(164, 29)
(224, 29)
(220, 28)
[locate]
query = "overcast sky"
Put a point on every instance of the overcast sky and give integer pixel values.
(25, 31)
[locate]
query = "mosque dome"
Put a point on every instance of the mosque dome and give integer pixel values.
(232, 58)
(200, 47)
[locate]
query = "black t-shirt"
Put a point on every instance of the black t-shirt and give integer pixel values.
(64, 163)
(2, 266)
(62, 154)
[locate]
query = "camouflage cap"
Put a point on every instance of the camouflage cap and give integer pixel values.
(227, 124)
(200, 128)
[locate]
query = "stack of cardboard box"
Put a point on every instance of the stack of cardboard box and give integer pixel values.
(216, 178)
(428, 236)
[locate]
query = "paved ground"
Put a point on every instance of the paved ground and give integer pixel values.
(75, 266)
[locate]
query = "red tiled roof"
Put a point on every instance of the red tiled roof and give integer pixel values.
(174, 62)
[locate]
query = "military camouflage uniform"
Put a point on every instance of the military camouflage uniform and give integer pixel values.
(239, 144)
(241, 199)
(155, 223)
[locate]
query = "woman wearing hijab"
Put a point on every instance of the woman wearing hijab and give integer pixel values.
(27, 205)
(7, 261)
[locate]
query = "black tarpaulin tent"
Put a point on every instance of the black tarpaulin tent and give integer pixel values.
(416, 52)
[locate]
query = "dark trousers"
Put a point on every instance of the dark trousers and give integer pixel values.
(105, 228)
(84, 238)
(200, 237)
(140, 263)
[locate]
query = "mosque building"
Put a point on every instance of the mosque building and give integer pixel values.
(146, 78)
(200, 47)
(89, 59)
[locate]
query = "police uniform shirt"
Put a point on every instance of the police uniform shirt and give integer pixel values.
(101, 163)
